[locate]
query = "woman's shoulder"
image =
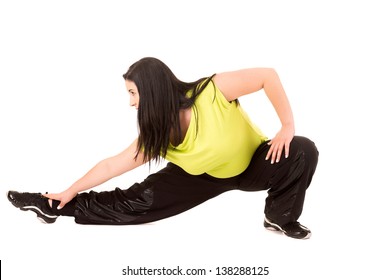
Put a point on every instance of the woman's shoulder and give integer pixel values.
(234, 84)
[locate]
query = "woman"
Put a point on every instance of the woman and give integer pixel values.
(210, 144)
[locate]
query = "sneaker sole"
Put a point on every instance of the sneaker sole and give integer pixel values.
(275, 227)
(46, 219)
(272, 226)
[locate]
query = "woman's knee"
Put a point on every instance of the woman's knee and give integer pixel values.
(306, 148)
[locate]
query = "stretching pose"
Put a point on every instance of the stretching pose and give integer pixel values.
(211, 147)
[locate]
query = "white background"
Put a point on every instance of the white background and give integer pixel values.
(63, 107)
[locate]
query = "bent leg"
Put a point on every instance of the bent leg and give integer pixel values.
(286, 181)
(161, 195)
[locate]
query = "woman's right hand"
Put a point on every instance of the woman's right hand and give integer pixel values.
(64, 197)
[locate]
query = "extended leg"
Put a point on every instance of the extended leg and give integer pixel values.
(163, 194)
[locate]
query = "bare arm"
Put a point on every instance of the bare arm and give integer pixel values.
(102, 172)
(238, 83)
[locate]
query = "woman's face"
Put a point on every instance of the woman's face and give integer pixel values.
(134, 95)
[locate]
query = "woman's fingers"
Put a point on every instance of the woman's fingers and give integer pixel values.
(276, 153)
(287, 149)
(58, 197)
(276, 150)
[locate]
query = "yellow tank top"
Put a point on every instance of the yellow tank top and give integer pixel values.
(220, 139)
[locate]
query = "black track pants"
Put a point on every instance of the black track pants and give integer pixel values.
(172, 191)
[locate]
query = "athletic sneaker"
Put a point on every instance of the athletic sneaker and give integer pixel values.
(34, 202)
(293, 229)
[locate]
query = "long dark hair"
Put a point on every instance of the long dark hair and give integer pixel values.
(161, 97)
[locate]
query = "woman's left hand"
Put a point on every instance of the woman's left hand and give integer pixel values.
(281, 141)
